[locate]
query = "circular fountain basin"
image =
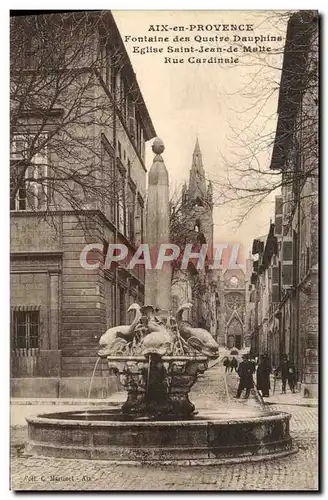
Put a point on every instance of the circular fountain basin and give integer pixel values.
(227, 435)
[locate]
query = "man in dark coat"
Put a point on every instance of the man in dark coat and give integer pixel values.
(254, 362)
(234, 364)
(226, 363)
(263, 376)
(287, 370)
(245, 372)
(292, 377)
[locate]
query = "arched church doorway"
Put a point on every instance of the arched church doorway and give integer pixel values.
(235, 334)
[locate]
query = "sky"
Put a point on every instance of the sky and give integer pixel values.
(211, 102)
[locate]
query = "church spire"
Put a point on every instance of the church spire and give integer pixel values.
(197, 148)
(197, 182)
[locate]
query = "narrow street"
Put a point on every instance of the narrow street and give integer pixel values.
(296, 472)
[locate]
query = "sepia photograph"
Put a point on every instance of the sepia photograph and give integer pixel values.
(164, 250)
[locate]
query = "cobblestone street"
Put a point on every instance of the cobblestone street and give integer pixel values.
(296, 472)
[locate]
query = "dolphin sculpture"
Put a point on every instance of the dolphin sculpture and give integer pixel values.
(118, 335)
(199, 338)
(157, 343)
(159, 340)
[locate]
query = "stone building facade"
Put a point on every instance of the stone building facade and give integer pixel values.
(263, 296)
(289, 259)
(59, 309)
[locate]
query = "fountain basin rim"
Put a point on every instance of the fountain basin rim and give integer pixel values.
(164, 358)
(44, 420)
(197, 462)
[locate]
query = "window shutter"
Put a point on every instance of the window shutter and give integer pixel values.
(287, 250)
(258, 247)
(253, 279)
(295, 257)
(287, 262)
(132, 125)
(307, 259)
(278, 216)
(275, 275)
(255, 249)
(275, 284)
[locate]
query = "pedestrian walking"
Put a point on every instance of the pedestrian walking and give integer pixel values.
(254, 361)
(263, 376)
(292, 377)
(234, 364)
(245, 372)
(226, 363)
(288, 372)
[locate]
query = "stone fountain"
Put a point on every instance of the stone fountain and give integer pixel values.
(158, 367)
(158, 358)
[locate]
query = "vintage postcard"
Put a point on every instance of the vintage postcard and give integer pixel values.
(164, 250)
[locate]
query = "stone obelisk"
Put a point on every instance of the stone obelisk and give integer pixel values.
(158, 281)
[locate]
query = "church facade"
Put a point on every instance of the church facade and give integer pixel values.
(235, 309)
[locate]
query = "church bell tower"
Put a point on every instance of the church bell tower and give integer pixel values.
(199, 196)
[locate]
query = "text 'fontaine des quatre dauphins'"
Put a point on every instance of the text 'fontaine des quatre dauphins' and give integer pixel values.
(204, 43)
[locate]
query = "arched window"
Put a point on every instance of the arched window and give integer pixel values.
(198, 202)
(197, 226)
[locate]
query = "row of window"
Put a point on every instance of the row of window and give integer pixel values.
(33, 188)
(126, 205)
(285, 272)
(124, 95)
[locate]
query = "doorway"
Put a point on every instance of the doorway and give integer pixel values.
(230, 343)
(238, 341)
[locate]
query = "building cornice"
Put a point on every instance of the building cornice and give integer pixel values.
(36, 255)
(39, 112)
(44, 214)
